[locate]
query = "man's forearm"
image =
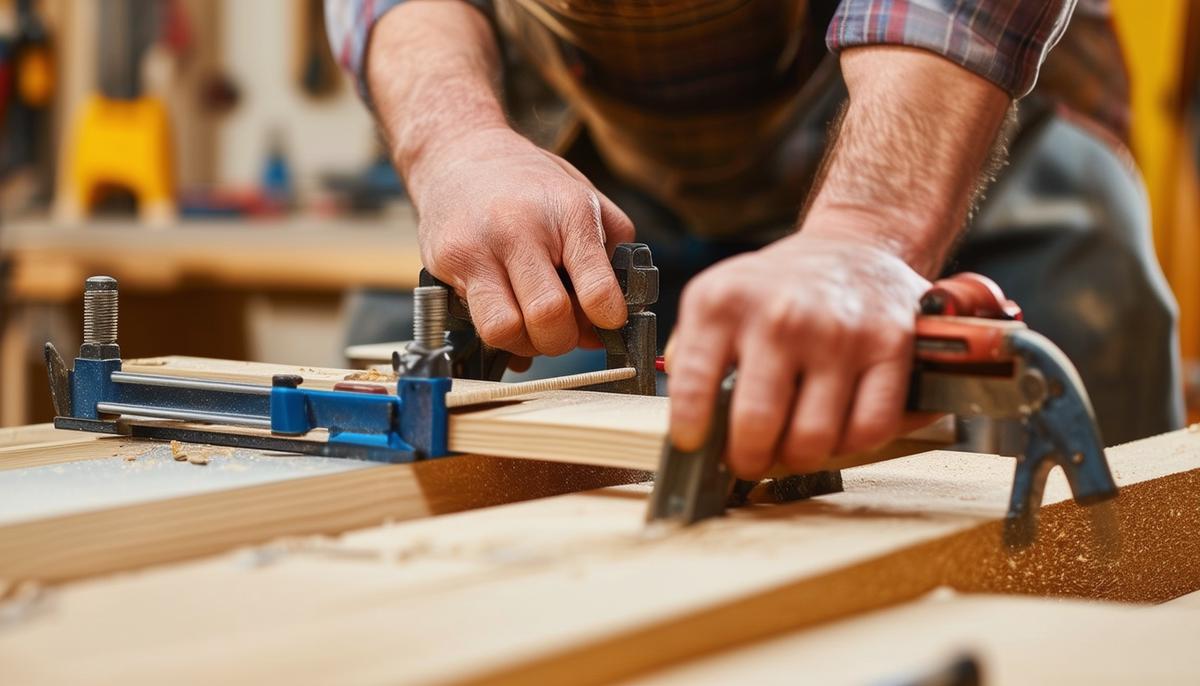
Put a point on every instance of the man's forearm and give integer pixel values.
(433, 71)
(917, 132)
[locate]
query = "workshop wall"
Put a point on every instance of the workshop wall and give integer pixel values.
(264, 53)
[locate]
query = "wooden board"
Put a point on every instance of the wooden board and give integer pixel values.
(567, 426)
(1015, 641)
(38, 433)
(42, 444)
(582, 427)
(71, 546)
(574, 590)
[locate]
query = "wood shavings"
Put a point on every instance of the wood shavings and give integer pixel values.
(131, 454)
(370, 375)
(196, 454)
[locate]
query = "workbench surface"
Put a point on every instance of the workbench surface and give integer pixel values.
(846, 588)
(50, 260)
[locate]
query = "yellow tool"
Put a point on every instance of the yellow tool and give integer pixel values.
(121, 143)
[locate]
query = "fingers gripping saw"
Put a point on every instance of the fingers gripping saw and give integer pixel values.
(973, 357)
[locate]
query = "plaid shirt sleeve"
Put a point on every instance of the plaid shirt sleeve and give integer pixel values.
(1004, 41)
(348, 24)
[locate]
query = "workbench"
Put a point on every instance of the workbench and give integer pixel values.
(192, 279)
(263, 567)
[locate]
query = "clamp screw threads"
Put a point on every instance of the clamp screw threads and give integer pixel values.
(100, 310)
(429, 316)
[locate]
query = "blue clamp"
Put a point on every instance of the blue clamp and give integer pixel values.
(414, 420)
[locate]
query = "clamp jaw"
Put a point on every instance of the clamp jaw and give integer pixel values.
(633, 345)
(973, 356)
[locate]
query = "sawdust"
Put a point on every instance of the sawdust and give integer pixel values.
(371, 375)
(198, 454)
(131, 454)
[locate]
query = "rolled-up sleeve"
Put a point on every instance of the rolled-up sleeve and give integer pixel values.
(1004, 41)
(348, 24)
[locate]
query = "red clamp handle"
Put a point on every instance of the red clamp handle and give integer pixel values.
(969, 295)
(951, 331)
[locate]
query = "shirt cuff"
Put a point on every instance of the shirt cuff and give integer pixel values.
(1003, 42)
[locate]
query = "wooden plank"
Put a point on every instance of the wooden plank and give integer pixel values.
(574, 590)
(69, 449)
(71, 546)
(39, 433)
(583, 427)
(1015, 641)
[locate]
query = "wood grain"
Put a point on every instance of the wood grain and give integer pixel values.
(1016, 641)
(71, 546)
(574, 590)
(71, 448)
(37, 433)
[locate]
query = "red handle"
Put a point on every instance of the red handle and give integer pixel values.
(969, 295)
(965, 320)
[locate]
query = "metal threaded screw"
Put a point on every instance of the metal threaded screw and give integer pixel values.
(429, 316)
(100, 310)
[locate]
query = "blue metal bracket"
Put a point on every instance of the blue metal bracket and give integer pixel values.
(412, 421)
(408, 425)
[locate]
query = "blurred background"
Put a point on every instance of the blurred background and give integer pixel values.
(211, 156)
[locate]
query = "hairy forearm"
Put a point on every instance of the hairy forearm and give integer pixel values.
(433, 71)
(914, 140)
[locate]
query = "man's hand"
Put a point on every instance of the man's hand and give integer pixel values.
(820, 324)
(821, 333)
(498, 217)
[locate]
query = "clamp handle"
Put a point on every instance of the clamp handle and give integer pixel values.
(966, 319)
(968, 294)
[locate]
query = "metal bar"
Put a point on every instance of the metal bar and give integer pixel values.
(191, 384)
(185, 415)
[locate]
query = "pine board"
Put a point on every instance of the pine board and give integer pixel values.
(71, 546)
(583, 427)
(572, 589)
(80, 446)
(1015, 641)
(568, 426)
